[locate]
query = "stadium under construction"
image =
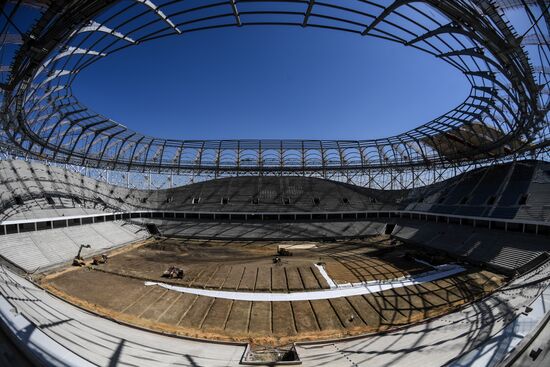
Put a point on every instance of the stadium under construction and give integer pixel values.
(430, 247)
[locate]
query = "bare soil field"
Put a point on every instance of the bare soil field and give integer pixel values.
(117, 289)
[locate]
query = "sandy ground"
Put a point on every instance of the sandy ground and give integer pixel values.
(116, 290)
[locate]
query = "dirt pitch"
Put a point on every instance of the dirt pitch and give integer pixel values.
(117, 289)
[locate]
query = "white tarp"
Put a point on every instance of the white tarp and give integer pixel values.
(347, 290)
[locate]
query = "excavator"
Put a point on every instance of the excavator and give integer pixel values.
(96, 260)
(78, 260)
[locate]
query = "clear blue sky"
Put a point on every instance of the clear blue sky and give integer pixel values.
(271, 82)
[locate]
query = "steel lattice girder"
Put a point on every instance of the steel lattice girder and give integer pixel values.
(502, 114)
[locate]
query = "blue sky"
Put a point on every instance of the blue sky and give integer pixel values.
(271, 82)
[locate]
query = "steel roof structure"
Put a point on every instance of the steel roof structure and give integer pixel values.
(46, 44)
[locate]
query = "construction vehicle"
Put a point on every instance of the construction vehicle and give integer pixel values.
(100, 259)
(283, 252)
(78, 260)
(173, 273)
